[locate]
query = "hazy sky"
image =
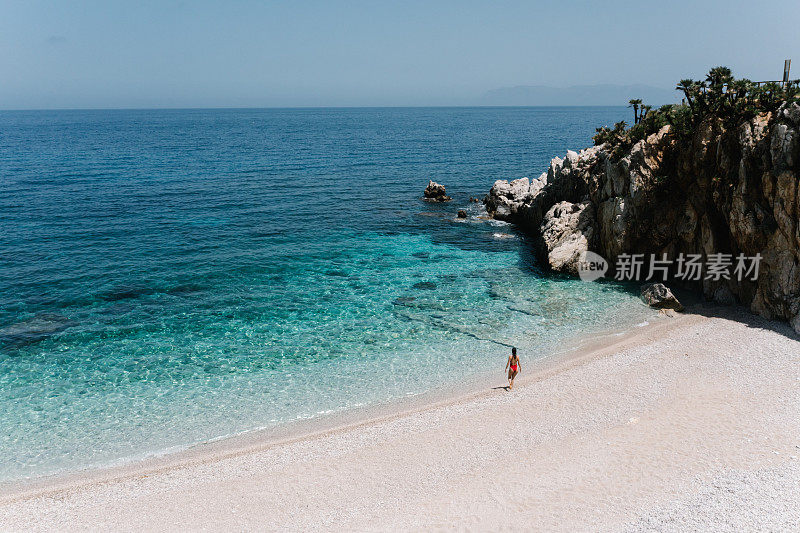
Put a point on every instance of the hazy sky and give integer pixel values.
(205, 54)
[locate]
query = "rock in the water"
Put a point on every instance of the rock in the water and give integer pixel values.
(506, 198)
(425, 285)
(473, 200)
(435, 192)
(462, 213)
(659, 296)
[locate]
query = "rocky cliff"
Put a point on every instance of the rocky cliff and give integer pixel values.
(720, 190)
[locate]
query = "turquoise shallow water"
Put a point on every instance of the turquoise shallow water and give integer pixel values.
(174, 276)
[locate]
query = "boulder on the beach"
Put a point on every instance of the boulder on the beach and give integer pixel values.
(659, 296)
(462, 213)
(435, 192)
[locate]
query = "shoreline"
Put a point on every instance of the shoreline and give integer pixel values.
(644, 430)
(579, 348)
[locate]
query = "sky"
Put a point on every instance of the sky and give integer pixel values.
(142, 54)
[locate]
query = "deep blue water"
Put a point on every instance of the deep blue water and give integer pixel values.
(172, 276)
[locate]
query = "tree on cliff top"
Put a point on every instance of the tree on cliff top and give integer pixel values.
(719, 95)
(635, 105)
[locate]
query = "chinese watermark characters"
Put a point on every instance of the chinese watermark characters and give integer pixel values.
(688, 267)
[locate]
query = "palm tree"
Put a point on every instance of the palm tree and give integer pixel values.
(739, 88)
(719, 76)
(635, 105)
(738, 92)
(688, 88)
(770, 95)
(701, 97)
(717, 79)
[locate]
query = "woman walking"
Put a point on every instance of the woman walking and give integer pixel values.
(513, 366)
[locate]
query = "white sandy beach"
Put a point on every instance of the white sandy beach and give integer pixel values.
(691, 423)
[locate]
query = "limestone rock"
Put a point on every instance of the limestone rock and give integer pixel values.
(505, 198)
(659, 296)
(731, 190)
(567, 232)
(435, 192)
(791, 112)
(784, 146)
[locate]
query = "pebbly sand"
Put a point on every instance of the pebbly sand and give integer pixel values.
(691, 423)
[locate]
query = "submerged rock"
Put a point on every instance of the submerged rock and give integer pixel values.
(404, 300)
(425, 285)
(435, 192)
(128, 291)
(38, 327)
(659, 296)
(185, 289)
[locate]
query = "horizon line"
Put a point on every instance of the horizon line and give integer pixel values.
(234, 108)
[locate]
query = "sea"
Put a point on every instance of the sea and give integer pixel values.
(169, 277)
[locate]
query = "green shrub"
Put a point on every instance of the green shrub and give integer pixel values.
(720, 95)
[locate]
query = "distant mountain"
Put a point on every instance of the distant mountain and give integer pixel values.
(524, 95)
